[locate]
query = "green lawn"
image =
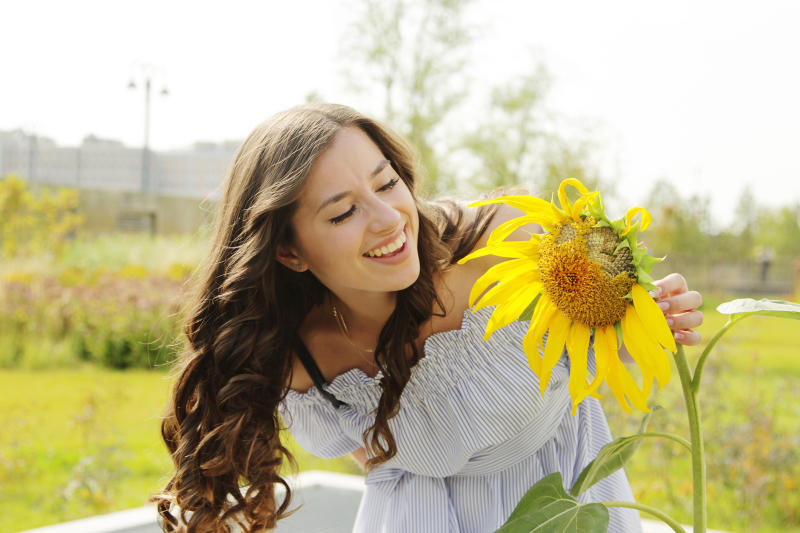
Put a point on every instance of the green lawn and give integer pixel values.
(76, 443)
(751, 413)
(80, 442)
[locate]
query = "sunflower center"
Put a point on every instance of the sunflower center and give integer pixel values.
(583, 273)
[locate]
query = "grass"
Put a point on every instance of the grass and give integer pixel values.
(81, 442)
(750, 413)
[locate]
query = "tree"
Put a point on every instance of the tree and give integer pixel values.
(507, 145)
(413, 54)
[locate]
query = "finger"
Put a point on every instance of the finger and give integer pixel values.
(681, 303)
(687, 337)
(689, 320)
(671, 284)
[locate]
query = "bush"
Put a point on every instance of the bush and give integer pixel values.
(118, 319)
(35, 222)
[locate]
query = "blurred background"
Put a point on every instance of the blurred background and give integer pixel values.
(118, 121)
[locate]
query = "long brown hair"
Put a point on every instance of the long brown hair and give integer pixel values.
(222, 425)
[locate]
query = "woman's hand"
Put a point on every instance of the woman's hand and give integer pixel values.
(680, 307)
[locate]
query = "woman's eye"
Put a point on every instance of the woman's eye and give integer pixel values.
(341, 218)
(392, 183)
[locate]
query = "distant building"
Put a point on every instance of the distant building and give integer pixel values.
(109, 176)
(107, 164)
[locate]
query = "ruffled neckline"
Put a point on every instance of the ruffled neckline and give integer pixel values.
(355, 378)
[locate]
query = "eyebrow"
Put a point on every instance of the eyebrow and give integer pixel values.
(336, 197)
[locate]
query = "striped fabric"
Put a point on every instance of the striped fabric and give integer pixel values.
(473, 434)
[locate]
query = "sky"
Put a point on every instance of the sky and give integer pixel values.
(701, 93)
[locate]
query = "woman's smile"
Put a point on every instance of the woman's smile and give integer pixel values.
(393, 248)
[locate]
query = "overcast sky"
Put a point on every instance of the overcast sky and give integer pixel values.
(702, 93)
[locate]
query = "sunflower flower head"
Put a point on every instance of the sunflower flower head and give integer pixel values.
(585, 276)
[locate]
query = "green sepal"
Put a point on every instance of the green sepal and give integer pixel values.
(618, 328)
(597, 210)
(622, 244)
(527, 314)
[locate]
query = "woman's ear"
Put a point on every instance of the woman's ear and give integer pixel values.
(288, 257)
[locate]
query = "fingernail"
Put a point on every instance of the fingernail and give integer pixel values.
(670, 322)
(664, 306)
(656, 293)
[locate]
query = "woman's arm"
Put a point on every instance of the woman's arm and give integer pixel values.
(360, 457)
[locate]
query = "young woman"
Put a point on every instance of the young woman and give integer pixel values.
(332, 303)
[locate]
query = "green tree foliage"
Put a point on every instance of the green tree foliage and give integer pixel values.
(508, 143)
(779, 230)
(680, 225)
(414, 54)
(32, 222)
(516, 142)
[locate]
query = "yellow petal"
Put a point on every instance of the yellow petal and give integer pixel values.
(632, 212)
(505, 270)
(510, 249)
(507, 228)
(530, 344)
(509, 311)
(577, 347)
(500, 293)
(531, 205)
(657, 359)
(562, 193)
(542, 317)
(631, 336)
(623, 385)
(653, 318)
(556, 338)
(605, 345)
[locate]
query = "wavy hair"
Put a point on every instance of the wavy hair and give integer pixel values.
(222, 425)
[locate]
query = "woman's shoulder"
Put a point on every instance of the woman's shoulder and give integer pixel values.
(455, 282)
(470, 271)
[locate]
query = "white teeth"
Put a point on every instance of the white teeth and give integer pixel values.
(389, 248)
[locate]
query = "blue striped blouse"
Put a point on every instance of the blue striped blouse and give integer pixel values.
(473, 434)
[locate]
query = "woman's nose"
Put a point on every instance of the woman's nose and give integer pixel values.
(385, 218)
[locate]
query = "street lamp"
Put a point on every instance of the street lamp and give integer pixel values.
(147, 73)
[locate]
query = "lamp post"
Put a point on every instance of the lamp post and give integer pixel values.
(147, 73)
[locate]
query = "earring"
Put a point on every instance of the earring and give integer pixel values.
(297, 266)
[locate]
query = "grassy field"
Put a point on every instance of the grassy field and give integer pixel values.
(751, 414)
(80, 442)
(75, 443)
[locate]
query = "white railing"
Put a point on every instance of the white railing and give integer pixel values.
(329, 504)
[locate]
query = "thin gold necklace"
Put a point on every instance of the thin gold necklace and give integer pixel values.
(345, 330)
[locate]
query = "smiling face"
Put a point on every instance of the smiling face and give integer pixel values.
(356, 224)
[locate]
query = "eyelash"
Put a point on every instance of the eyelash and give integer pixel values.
(341, 218)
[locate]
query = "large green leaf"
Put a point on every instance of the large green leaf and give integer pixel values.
(748, 306)
(611, 458)
(547, 508)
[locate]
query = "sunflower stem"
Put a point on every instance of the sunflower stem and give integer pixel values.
(696, 436)
(664, 517)
(698, 369)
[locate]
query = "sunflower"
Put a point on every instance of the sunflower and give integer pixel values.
(585, 276)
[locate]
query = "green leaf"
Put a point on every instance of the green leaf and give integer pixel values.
(547, 508)
(748, 306)
(611, 458)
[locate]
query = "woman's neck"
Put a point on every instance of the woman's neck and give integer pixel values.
(365, 313)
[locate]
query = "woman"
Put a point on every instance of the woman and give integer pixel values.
(332, 297)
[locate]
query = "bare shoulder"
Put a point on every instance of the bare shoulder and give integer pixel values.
(459, 279)
(503, 214)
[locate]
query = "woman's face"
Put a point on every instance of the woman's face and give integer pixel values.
(356, 224)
